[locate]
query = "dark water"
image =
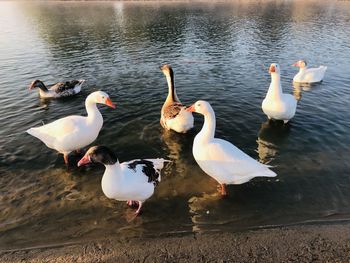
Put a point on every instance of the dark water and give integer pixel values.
(220, 52)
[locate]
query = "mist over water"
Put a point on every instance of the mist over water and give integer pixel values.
(220, 52)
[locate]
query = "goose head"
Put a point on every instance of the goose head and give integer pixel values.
(98, 154)
(274, 69)
(167, 70)
(101, 97)
(300, 64)
(37, 84)
(201, 106)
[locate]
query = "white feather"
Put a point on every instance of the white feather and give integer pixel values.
(278, 105)
(219, 158)
(183, 122)
(310, 75)
(123, 183)
(73, 132)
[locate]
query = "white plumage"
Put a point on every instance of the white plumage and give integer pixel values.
(219, 158)
(308, 75)
(278, 105)
(123, 183)
(132, 181)
(74, 132)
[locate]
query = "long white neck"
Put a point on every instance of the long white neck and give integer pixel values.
(172, 96)
(207, 132)
(94, 115)
(275, 89)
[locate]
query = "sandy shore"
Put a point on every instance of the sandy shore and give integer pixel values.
(322, 243)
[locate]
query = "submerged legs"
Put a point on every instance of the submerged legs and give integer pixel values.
(65, 157)
(223, 190)
(138, 209)
(134, 204)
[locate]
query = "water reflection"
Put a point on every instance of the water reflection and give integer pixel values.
(52, 200)
(297, 92)
(183, 171)
(47, 192)
(175, 147)
(201, 207)
(273, 25)
(299, 88)
(271, 137)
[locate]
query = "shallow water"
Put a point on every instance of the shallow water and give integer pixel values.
(220, 52)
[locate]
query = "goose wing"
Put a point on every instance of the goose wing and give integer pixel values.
(221, 159)
(58, 130)
(60, 87)
(149, 168)
(172, 110)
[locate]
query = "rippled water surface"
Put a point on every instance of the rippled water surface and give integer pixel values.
(220, 52)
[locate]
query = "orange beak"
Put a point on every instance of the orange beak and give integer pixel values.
(272, 69)
(110, 103)
(31, 86)
(191, 108)
(296, 64)
(84, 160)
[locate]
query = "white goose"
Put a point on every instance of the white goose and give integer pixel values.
(308, 75)
(133, 181)
(173, 114)
(74, 132)
(278, 105)
(59, 89)
(219, 158)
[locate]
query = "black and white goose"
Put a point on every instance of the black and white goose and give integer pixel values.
(59, 89)
(173, 114)
(133, 181)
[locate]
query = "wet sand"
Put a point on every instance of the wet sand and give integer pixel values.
(307, 243)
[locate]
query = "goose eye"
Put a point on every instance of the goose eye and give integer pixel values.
(103, 97)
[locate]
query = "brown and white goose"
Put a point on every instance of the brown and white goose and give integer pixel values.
(173, 114)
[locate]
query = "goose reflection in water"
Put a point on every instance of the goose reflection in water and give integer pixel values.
(271, 137)
(201, 207)
(175, 149)
(44, 103)
(298, 89)
(180, 175)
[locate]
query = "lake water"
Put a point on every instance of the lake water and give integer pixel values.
(220, 52)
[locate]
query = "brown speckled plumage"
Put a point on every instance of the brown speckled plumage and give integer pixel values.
(172, 110)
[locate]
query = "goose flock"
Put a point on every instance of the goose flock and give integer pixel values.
(134, 181)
